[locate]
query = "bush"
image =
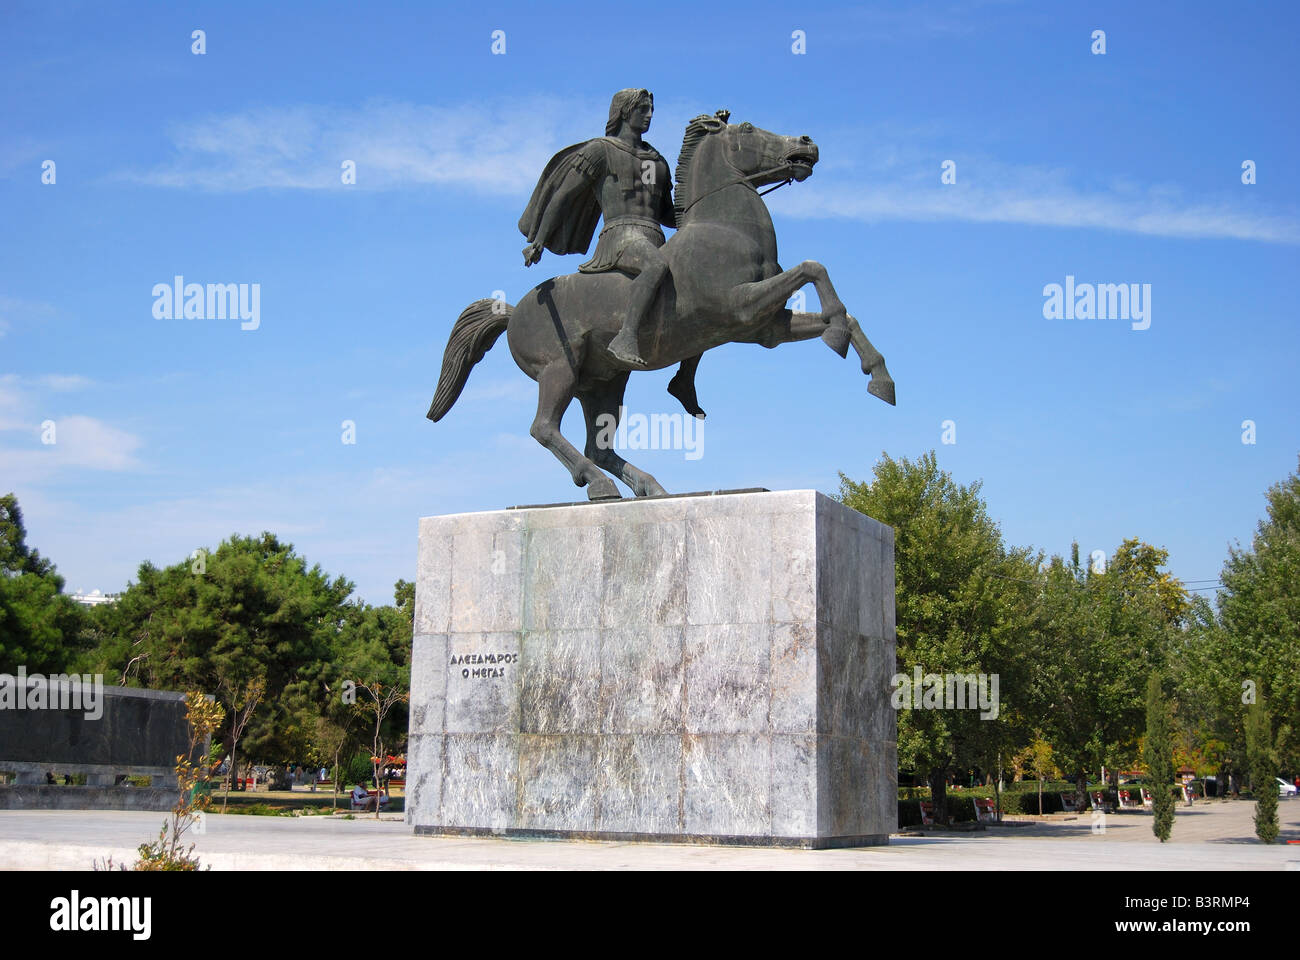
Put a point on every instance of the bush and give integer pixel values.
(357, 768)
(961, 809)
(259, 810)
(1020, 799)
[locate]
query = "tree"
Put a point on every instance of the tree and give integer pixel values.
(250, 609)
(15, 555)
(243, 699)
(375, 645)
(1036, 759)
(330, 738)
(377, 704)
(1207, 664)
(1101, 633)
(963, 605)
(1260, 614)
(40, 627)
(1250, 650)
(1159, 750)
(1263, 767)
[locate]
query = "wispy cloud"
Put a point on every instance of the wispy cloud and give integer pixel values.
(489, 391)
(21, 156)
(1060, 207)
(494, 147)
(16, 313)
(79, 443)
(42, 445)
(63, 382)
(99, 543)
(894, 182)
(500, 147)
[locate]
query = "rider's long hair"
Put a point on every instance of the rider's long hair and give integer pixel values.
(624, 102)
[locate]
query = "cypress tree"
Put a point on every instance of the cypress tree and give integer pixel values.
(1160, 759)
(1259, 752)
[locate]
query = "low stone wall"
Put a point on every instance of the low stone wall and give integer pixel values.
(47, 797)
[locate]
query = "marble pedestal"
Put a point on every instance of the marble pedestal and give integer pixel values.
(699, 668)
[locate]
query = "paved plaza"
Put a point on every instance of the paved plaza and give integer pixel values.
(1208, 836)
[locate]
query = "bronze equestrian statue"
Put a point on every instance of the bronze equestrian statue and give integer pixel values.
(640, 302)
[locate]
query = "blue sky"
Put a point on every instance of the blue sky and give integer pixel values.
(225, 167)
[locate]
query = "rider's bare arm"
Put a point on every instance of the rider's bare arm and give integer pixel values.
(572, 186)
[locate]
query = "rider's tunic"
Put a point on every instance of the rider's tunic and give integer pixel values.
(618, 175)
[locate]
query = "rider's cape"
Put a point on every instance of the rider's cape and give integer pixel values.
(577, 224)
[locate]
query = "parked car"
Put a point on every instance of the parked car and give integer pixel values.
(1284, 788)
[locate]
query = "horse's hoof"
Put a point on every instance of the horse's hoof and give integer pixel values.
(836, 336)
(884, 389)
(603, 489)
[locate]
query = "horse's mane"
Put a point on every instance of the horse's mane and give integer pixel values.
(696, 130)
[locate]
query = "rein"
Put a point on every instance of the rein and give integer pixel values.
(746, 182)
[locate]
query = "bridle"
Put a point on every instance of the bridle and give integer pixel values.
(746, 182)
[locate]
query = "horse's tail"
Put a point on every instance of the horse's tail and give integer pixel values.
(473, 334)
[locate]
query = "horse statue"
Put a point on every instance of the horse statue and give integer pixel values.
(724, 286)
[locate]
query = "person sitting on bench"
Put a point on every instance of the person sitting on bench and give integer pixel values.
(362, 799)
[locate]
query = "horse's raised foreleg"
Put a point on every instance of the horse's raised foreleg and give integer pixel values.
(873, 364)
(602, 407)
(791, 326)
(555, 387)
(764, 296)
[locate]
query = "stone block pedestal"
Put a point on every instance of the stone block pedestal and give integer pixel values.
(699, 668)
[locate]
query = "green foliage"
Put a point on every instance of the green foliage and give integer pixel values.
(40, 627)
(1260, 614)
(1207, 667)
(1225, 662)
(1263, 771)
(1100, 633)
(1019, 799)
(1159, 755)
(962, 606)
(357, 769)
(259, 810)
(960, 810)
(250, 615)
(1036, 760)
(252, 611)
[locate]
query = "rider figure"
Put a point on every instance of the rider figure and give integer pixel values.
(628, 181)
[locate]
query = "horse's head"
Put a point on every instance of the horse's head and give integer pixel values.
(766, 157)
(761, 156)
(715, 152)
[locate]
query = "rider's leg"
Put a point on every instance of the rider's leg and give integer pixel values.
(644, 259)
(682, 386)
